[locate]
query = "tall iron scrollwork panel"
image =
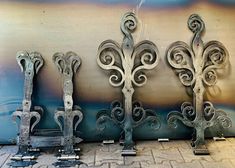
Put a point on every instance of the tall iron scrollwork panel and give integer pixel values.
(71, 115)
(30, 64)
(196, 67)
(127, 64)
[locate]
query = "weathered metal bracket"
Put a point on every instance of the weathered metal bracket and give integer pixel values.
(196, 67)
(67, 65)
(127, 64)
(30, 63)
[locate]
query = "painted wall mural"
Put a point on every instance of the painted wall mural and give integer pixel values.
(49, 26)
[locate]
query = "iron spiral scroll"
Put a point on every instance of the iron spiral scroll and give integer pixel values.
(196, 67)
(127, 63)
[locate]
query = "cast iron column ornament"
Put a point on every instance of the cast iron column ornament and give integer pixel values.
(30, 63)
(67, 65)
(126, 64)
(196, 67)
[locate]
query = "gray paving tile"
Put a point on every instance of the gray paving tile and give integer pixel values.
(88, 158)
(150, 154)
(83, 166)
(45, 160)
(5, 154)
(114, 147)
(188, 155)
(143, 155)
(221, 144)
(176, 144)
(88, 152)
(231, 140)
(3, 158)
(165, 164)
(148, 144)
(193, 164)
(111, 153)
(86, 147)
(211, 144)
(167, 155)
(132, 165)
(10, 149)
(233, 162)
(220, 164)
(222, 153)
(41, 166)
(104, 165)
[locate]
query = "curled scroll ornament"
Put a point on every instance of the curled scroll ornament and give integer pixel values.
(118, 59)
(188, 63)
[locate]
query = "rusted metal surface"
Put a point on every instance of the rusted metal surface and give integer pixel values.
(196, 67)
(127, 63)
(30, 64)
(67, 65)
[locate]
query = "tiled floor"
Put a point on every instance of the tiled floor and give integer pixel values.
(150, 154)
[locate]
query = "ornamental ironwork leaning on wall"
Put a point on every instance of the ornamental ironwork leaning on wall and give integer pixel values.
(67, 65)
(30, 64)
(126, 64)
(196, 67)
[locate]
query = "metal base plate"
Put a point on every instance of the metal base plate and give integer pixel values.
(121, 142)
(163, 140)
(202, 150)
(108, 141)
(219, 139)
(68, 157)
(67, 163)
(22, 163)
(128, 151)
(24, 160)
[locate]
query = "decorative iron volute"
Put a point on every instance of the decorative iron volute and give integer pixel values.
(196, 67)
(30, 63)
(126, 64)
(67, 65)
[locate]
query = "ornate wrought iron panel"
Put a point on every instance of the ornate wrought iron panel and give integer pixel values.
(127, 64)
(30, 63)
(67, 65)
(196, 67)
